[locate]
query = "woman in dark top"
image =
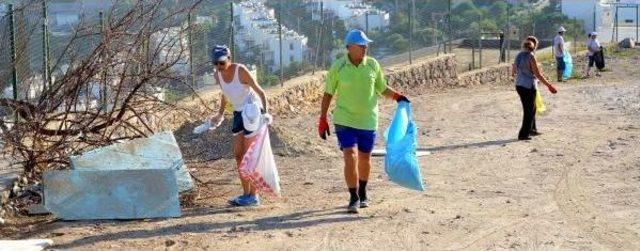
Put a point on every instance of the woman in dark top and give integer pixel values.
(527, 74)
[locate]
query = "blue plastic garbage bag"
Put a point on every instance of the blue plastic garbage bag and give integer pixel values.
(568, 62)
(401, 163)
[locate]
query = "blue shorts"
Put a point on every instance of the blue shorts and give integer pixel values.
(349, 137)
(560, 62)
(238, 126)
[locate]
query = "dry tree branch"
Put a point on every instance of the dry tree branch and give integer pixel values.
(137, 55)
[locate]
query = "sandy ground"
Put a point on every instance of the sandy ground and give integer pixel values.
(577, 186)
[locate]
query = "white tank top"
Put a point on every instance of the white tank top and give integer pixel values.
(234, 91)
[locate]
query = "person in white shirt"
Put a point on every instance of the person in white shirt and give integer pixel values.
(236, 84)
(558, 48)
(593, 47)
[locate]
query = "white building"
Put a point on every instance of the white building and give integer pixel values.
(599, 15)
(354, 13)
(257, 27)
(172, 45)
(64, 15)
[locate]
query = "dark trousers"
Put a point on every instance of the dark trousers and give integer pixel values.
(527, 97)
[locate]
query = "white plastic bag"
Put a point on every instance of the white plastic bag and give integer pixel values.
(258, 165)
(207, 125)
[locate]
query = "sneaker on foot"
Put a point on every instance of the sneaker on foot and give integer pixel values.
(249, 200)
(353, 207)
(535, 133)
(364, 203)
(236, 201)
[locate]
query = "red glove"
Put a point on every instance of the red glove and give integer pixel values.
(399, 98)
(552, 89)
(323, 128)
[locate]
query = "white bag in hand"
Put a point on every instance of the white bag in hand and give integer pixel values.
(258, 164)
(202, 128)
(207, 125)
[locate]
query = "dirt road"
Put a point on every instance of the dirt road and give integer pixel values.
(577, 186)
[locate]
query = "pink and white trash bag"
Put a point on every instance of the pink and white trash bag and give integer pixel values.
(258, 165)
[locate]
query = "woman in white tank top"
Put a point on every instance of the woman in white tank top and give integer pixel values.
(236, 84)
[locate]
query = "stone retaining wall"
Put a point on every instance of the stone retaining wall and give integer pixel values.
(496, 75)
(303, 95)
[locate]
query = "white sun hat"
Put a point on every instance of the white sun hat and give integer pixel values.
(251, 114)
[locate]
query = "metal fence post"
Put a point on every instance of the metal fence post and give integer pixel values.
(502, 56)
(637, 25)
(280, 41)
(411, 20)
(232, 28)
(12, 38)
(595, 17)
(314, 57)
(366, 22)
(575, 46)
(103, 96)
(480, 51)
(533, 21)
(45, 47)
(190, 37)
(319, 37)
(449, 29)
(616, 24)
(473, 57)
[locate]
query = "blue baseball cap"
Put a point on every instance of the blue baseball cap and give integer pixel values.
(358, 37)
(220, 53)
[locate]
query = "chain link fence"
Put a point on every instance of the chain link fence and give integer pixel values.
(22, 36)
(277, 39)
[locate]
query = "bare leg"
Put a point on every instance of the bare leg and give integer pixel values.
(239, 150)
(350, 171)
(364, 165)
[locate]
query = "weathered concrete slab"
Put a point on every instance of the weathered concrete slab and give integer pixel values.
(160, 151)
(111, 194)
(25, 245)
(37, 209)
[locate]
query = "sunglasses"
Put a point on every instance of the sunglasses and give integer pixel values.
(364, 47)
(220, 63)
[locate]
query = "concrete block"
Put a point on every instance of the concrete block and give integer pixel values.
(160, 151)
(111, 194)
(37, 209)
(25, 245)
